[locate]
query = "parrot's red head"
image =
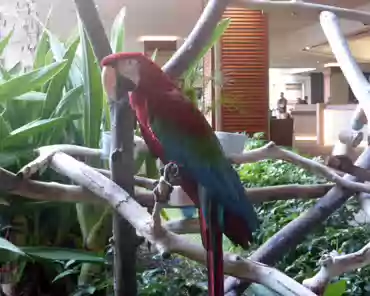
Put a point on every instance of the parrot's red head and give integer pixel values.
(134, 67)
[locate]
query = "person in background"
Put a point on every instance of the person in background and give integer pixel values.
(282, 106)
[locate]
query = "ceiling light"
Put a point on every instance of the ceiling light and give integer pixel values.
(307, 48)
(158, 38)
(328, 65)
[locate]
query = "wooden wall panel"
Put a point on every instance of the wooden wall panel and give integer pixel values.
(244, 65)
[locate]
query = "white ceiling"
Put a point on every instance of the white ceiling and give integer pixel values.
(289, 32)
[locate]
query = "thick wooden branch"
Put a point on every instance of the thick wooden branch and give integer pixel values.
(254, 195)
(45, 152)
(297, 6)
(164, 240)
(38, 190)
(271, 151)
(94, 28)
(334, 264)
(351, 71)
(53, 191)
(344, 164)
(197, 39)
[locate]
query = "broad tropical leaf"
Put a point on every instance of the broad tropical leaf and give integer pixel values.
(32, 129)
(63, 254)
(5, 41)
(8, 251)
(117, 36)
(93, 92)
(29, 81)
(32, 96)
(69, 101)
(43, 46)
(55, 91)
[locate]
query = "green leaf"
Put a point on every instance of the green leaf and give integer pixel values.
(32, 96)
(10, 158)
(69, 101)
(31, 129)
(5, 41)
(55, 91)
(5, 75)
(43, 46)
(9, 250)
(117, 36)
(154, 55)
(93, 92)
(336, 289)
(63, 254)
(216, 35)
(64, 274)
(15, 70)
(29, 81)
(5, 128)
(57, 47)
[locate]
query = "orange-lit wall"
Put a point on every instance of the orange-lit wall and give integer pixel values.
(244, 64)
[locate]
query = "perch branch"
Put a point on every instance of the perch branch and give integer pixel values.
(334, 264)
(53, 191)
(271, 151)
(351, 137)
(38, 190)
(344, 164)
(94, 28)
(57, 192)
(197, 39)
(164, 240)
(254, 195)
(353, 75)
(257, 195)
(303, 7)
(351, 70)
(46, 152)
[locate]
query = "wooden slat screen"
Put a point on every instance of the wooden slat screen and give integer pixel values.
(244, 65)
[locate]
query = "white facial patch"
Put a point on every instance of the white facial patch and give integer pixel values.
(109, 81)
(130, 69)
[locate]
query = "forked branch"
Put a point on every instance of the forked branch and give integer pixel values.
(164, 240)
(334, 264)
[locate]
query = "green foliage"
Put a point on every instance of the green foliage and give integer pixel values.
(336, 289)
(194, 72)
(58, 101)
(334, 234)
(174, 277)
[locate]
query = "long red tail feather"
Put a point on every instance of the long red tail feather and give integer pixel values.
(212, 241)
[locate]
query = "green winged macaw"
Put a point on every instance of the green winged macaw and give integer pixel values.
(176, 131)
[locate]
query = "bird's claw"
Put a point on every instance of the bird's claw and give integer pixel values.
(171, 172)
(164, 187)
